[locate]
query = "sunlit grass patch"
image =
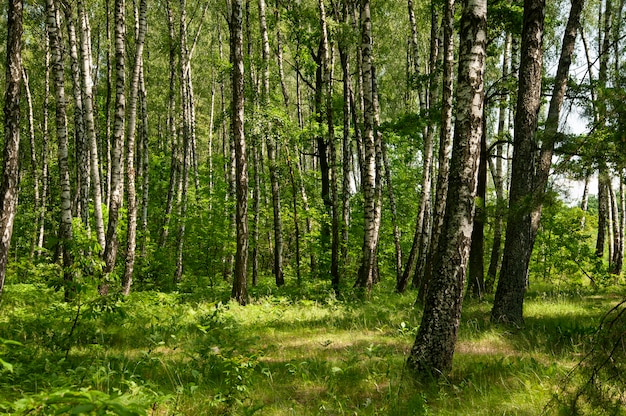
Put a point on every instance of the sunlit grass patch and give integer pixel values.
(286, 353)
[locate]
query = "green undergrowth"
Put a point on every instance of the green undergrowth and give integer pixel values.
(297, 350)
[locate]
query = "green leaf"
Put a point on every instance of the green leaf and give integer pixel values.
(6, 366)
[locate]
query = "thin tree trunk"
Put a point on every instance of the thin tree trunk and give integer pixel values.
(13, 80)
(434, 345)
(81, 149)
(296, 223)
(421, 238)
(476, 267)
(171, 127)
(131, 193)
(90, 125)
(602, 212)
(240, 291)
(618, 257)
(44, 149)
(322, 78)
(187, 149)
(346, 157)
(497, 175)
(117, 182)
(419, 279)
(108, 113)
(65, 227)
(145, 188)
(445, 140)
(270, 142)
(33, 158)
(367, 269)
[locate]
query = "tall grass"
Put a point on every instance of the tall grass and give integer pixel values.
(297, 350)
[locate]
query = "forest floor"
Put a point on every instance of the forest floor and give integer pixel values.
(292, 351)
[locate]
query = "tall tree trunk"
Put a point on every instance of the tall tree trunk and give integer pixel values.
(346, 157)
(530, 177)
(618, 255)
(81, 149)
(187, 139)
(13, 80)
(327, 56)
(279, 58)
(601, 115)
(108, 113)
(171, 128)
(44, 150)
(476, 266)
(131, 193)
(90, 125)
(615, 263)
(240, 291)
(65, 227)
(117, 182)
(445, 140)
(497, 174)
(603, 215)
(145, 161)
(322, 78)
(296, 223)
(518, 245)
(419, 278)
(33, 158)
(434, 344)
(367, 269)
(421, 238)
(270, 142)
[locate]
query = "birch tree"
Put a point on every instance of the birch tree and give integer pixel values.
(435, 342)
(117, 148)
(12, 95)
(240, 285)
(65, 225)
(529, 177)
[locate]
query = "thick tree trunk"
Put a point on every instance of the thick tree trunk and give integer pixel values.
(65, 227)
(117, 182)
(518, 245)
(240, 291)
(436, 338)
(529, 177)
(13, 82)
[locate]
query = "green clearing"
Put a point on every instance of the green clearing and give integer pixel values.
(293, 351)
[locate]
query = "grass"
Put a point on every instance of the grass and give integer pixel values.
(292, 351)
